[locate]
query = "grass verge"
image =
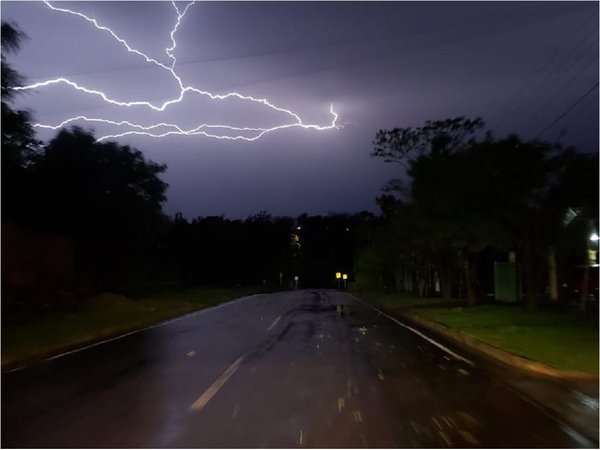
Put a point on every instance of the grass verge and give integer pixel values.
(400, 301)
(566, 340)
(103, 316)
(561, 338)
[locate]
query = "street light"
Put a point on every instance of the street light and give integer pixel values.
(338, 276)
(345, 277)
(590, 260)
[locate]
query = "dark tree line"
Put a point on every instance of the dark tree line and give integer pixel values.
(264, 250)
(220, 251)
(469, 194)
(328, 244)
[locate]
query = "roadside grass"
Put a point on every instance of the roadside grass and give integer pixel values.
(104, 316)
(399, 300)
(562, 338)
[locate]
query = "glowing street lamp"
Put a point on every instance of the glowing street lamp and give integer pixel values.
(591, 259)
(345, 277)
(338, 277)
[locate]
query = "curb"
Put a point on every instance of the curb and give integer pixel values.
(504, 356)
(533, 368)
(584, 431)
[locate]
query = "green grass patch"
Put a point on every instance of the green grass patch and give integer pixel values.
(104, 316)
(564, 339)
(399, 300)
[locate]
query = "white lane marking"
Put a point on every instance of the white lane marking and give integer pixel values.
(418, 333)
(159, 324)
(216, 386)
(274, 324)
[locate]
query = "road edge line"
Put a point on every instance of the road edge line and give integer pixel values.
(566, 425)
(417, 332)
(129, 333)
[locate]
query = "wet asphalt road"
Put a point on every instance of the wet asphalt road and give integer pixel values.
(274, 370)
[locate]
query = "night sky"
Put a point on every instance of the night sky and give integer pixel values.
(381, 65)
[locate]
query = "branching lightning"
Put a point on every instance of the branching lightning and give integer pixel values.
(170, 129)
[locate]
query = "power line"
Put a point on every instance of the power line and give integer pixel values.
(567, 111)
(525, 93)
(436, 43)
(499, 21)
(551, 76)
(549, 99)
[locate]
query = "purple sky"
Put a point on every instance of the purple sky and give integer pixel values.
(519, 65)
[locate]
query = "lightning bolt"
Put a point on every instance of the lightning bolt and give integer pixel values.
(217, 131)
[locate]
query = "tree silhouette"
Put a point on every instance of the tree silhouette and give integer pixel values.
(19, 145)
(468, 195)
(106, 196)
(402, 145)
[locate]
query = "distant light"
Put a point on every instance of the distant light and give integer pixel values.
(298, 228)
(345, 276)
(594, 237)
(338, 275)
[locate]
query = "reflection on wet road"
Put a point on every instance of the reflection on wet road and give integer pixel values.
(294, 369)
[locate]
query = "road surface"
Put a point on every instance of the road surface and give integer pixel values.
(308, 368)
